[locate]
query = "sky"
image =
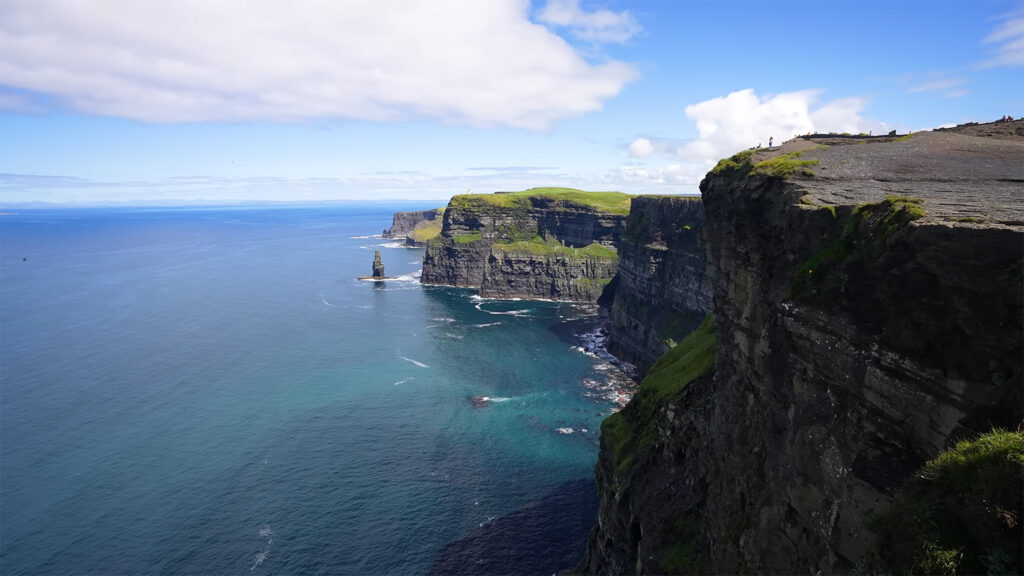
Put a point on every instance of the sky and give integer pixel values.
(238, 101)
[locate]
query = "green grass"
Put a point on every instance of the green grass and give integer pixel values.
(541, 247)
(632, 430)
(961, 512)
(739, 162)
(468, 238)
(786, 165)
(612, 202)
(904, 138)
(426, 230)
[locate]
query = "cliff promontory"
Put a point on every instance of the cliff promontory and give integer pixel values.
(415, 227)
(866, 316)
(553, 243)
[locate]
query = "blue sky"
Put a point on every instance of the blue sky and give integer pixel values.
(193, 102)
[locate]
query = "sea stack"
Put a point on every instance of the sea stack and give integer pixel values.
(378, 265)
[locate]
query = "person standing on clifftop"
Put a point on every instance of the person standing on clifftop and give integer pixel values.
(770, 139)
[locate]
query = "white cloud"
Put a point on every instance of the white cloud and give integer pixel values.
(738, 121)
(641, 148)
(741, 119)
(1008, 38)
(457, 61)
(942, 84)
(599, 26)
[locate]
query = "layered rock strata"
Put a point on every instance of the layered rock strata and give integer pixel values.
(417, 227)
(525, 246)
(867, 302)
(663, 290)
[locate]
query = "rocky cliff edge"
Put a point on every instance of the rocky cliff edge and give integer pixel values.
(867, 314)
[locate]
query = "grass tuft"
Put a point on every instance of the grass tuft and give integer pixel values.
(961, 513)
(786, 165)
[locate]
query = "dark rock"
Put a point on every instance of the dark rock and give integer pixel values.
(535, 247)
(663, 292)
(858, 336)
(378, 265)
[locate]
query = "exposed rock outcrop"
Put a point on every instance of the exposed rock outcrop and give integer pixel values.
(417, 227)
(867, 302)
(663, 291)
(555, 244)
(378, 265)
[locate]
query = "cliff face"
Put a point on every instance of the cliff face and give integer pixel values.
(866, 318)
(527, 245)
(663, 291)
(416, 228)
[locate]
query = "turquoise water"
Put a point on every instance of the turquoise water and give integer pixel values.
(213, 391)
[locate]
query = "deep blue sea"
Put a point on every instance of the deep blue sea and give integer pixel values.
(212, 391)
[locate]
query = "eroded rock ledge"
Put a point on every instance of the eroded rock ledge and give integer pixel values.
(867, 308)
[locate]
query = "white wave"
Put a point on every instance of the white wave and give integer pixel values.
(261, 555)
(365, 237)
(524, 312)
(455, 336)
(391, 245)
(443, 319)
(420, 364)
(499, 399)
(415, 262)
(486, 325)
(410, 277)
(403, 381)
(326, 303)
(564, 430)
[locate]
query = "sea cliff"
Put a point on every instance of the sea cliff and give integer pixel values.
(663, 291)
(552, 243)
(866, 315)
(416, 227)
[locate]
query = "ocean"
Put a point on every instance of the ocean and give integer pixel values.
(212, 391)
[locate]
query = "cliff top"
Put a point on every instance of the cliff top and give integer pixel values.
(969, 175)
(612, 202)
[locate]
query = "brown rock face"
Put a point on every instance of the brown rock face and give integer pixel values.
(858, 336)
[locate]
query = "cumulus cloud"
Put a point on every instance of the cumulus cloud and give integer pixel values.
(457, 61)
(598, 26)
(743, 119)
(737, 121)
(1008, 39)
(641, 148)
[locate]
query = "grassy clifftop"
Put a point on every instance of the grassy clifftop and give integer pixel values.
(611, 202)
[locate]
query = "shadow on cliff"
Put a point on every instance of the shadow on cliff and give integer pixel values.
(543, 537)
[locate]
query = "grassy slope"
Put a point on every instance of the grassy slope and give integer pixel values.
(630, 431)
(427, 229)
